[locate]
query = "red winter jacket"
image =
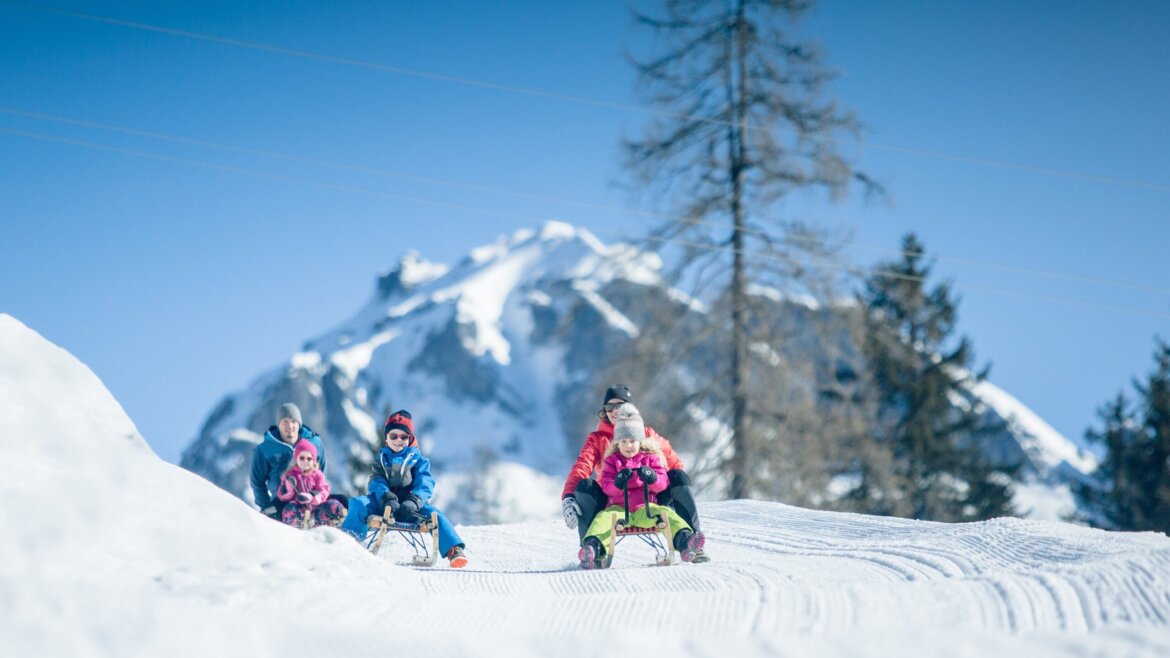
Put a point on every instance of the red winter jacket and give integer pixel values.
(593, 452)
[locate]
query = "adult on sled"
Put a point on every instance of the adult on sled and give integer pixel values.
(582, 497)
(402, 483)
(632, 470)
(274, 454)
(305, 492)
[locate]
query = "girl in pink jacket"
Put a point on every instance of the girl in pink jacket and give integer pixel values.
(305, 491)
(632, 460)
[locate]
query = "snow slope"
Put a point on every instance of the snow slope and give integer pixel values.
(110, 551)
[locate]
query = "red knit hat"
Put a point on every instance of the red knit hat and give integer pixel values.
(399, 420)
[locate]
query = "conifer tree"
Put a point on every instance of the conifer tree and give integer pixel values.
(925, 460)
(1133, 491)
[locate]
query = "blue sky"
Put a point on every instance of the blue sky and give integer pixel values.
(167, 216)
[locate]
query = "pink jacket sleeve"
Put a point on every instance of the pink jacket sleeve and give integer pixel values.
(320, 488)
(660, 470)
(288, 488)
(609, 470)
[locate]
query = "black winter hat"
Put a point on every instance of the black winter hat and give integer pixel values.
(620, 391)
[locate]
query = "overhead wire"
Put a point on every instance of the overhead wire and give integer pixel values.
(544, 198)
(529, 91)
(754, 257)
(261, 174)
(471, 186)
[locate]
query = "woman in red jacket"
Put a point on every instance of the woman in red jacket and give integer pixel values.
(582, 497)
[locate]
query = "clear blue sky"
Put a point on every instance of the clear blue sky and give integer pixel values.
(1026, 143)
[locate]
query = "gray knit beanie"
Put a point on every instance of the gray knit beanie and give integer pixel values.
(288, 410)
(628, 423)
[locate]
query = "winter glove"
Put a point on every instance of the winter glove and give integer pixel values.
(407, 510)
(571, 510)
(647, 474)
(390, 502)
(304, 498)
(622, 478)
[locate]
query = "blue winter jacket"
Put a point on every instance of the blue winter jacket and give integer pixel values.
(271, 458)
(404, 473)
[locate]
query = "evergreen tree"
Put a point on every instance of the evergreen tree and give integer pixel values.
(924, 459)
(1133, 491)
(743, 122)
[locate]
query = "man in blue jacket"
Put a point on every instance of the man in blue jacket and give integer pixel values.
(271, 457)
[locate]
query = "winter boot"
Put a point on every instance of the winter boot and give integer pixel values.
(592, 554)
(457, 558)
(689, 544)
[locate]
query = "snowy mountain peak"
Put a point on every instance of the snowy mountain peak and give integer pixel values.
(412, 270)
(498, 355)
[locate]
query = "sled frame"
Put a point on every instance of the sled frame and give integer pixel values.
(657, 538)
(422, 537)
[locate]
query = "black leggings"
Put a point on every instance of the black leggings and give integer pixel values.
(678, 495)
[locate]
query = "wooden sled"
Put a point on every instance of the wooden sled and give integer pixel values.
(426, 553)
(657, 537)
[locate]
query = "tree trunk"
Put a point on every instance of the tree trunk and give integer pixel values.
(738, 87)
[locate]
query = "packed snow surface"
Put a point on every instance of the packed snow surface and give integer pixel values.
(110, 551)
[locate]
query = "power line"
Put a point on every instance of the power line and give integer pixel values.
(261, 174)
(528, 91)
(479, 210)
(549, 199)
(277, 155)
(862, 272)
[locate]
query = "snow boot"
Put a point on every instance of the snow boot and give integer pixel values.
(689, 544)
(592, 554)
(457, 558)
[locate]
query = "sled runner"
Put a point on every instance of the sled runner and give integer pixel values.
(415, 534)
(657, 538)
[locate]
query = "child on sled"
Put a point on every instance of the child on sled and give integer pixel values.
(402, 484)
(305, 491)
(631, 460)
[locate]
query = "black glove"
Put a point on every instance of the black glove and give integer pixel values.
(390, 501)
(622, 478)
(407, 510)
(647, 474)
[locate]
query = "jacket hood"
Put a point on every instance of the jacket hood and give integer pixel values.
(646, 445)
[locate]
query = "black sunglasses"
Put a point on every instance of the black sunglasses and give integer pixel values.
(610, 406)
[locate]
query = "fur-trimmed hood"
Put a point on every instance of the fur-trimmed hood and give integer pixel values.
(645, 445)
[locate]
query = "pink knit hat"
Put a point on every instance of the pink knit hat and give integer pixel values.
(304, 446)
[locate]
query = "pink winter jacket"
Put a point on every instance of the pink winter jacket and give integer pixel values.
(294, 481)
(616, 462)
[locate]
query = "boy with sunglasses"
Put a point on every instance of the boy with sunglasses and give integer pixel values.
(402, 483)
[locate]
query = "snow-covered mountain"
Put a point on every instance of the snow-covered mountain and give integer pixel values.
(110, 551)
(499, 358)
